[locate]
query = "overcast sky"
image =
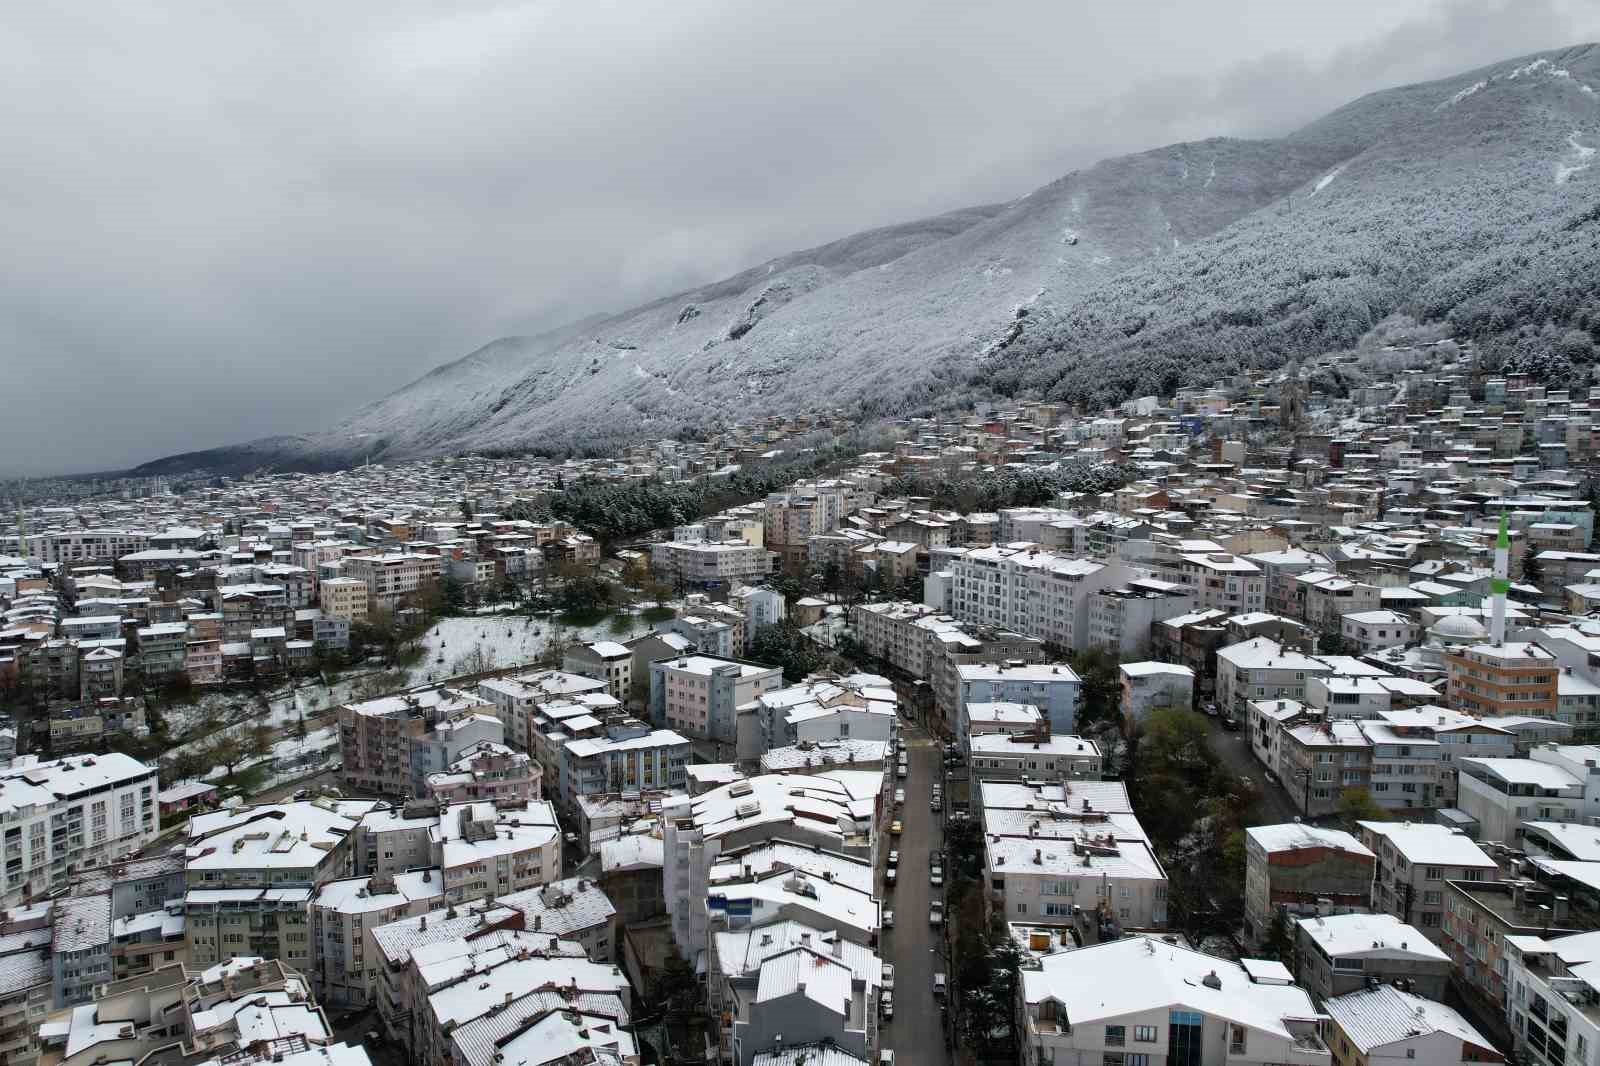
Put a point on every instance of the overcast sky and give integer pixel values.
(228, 220)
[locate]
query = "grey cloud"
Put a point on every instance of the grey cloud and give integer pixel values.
(225, 221)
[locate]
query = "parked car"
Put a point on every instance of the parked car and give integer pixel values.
(886, 1006)
(895, 828)
(888, 919)
(936, 912)
(301, 793)
(899, 797)
(886, 1057)
(889, 877)
(1231, 724)
(936, 876)
(894, 858)
(888, 976)
(901, 772)
(938, 985)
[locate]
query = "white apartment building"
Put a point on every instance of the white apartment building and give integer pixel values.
(483, 849)
(1220, 580)
(67, 815)
(1261, 669)
(1053, 688)
(1370, 630)
(833, 811)
(1148, 685)
(1504, 795)
(83, 545)
(1553, 997)
(1120, 618)
(1031, 591)
(1140, 1000)
(392, 578)
(627, 758)
(709, 565)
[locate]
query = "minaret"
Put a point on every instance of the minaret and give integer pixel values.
(1498, 586)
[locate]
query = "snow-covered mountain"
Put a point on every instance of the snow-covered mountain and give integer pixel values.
(1471, 199)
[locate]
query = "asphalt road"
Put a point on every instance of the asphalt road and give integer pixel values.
(916, 1033)
(1233, 749)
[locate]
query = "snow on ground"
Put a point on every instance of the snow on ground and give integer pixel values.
(1322, 182)
(1581, 152)
(507, 640)
(292, 757)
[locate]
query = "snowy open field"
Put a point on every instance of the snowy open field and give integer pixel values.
(451, 646)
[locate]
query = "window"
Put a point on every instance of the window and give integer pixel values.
(1236, 1040)
(1146, 1034)
(1116, 1035)
(1433, 873)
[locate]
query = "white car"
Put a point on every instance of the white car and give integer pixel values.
(901, 773)
(886, 1057)
(894, 859)
(888, 975)
(886, 1006)
(888, 919)
(936, 912)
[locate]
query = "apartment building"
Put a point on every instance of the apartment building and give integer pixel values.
(1554, 1001)
(1415, 859)
(392, 579)
(1053, 688)
(26, 981)
(999, 756)
(1493, 680)
(343, 597)
(1120, 618)
(1484, 919)
(699, 695)
(389, 745)
(603, 660)
(833, 811)
(484, 849)
(1368, 631)
(1262, 669)
(1031, 591)
(1171, 1004)
(1389, 1024)
(517, 700)
(705, 565)
(819, 709)
(342, 915)
(575, 909)
(1338, 954)
(1219, 580)
(64, 816)
(487, 771)
(1148, 685)
(1504, 795)
(250, 872)
(1303, 870)
(629, 756)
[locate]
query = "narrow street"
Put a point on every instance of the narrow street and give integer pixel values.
(1233, 749)
(916, 1033)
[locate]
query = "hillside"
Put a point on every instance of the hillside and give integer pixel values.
(1470, 199)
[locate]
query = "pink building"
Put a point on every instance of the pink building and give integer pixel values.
(488, 771)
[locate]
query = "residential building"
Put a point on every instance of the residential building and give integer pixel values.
(1053, 688)
(1504, 795)
(699, 695)
(342, 915)
(487, 771)
(708, 565)
(628, 756)
(1148, 685)
(1303, 870)
(1415, 859)
(1120, 618)
(1142, 996)
(1483, 917)
(1033, 756)
(64, 816)
(1514, 678)
(343, 597)
(1387, 1024)
(1031, 590)
(575, 909)
(603, 660)
(1343, 953)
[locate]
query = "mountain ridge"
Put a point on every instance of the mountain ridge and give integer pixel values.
(1177, 264)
